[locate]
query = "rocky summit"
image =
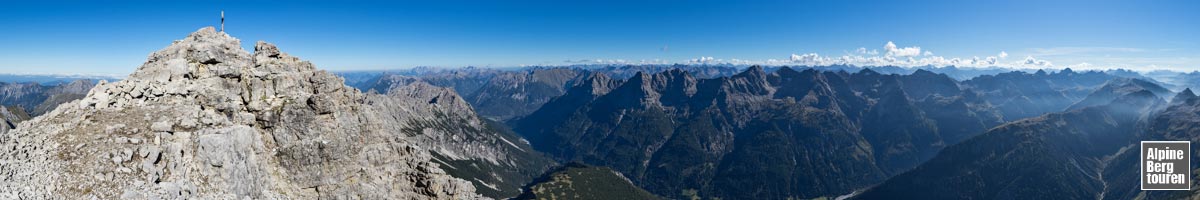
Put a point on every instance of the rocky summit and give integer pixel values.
(203, 118)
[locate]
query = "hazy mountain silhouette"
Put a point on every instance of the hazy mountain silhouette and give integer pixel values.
(1058, 156)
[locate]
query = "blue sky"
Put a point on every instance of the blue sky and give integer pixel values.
(114, 37)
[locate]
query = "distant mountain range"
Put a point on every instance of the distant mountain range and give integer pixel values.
(38, 99)
(767, 135)
(1086, 152)
(52, 79)
(505, 94)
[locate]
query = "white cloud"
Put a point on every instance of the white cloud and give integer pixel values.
(704, 60)
(1034, 62)
(892, 50)
(598, 61)
(611, 61)
(894, 55)
(1082, 65)
(809, 59)
(905, 56)
(863, 50)
(990, 60)
(617, 61)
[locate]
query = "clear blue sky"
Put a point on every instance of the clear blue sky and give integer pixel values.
(114, 37)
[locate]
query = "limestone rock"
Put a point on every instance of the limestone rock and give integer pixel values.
(161, 126)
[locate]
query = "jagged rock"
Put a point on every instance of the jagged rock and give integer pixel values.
(441, 121)
(230, 124)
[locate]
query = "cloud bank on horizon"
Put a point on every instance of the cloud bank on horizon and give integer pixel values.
(890, 54)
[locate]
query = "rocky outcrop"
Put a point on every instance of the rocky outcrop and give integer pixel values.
(496, 161)
(205, 119)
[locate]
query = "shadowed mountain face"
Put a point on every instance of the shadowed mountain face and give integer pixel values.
(1065, 155)
(775, 135)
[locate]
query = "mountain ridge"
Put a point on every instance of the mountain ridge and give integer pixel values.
(1057, 155)
(670, 132)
